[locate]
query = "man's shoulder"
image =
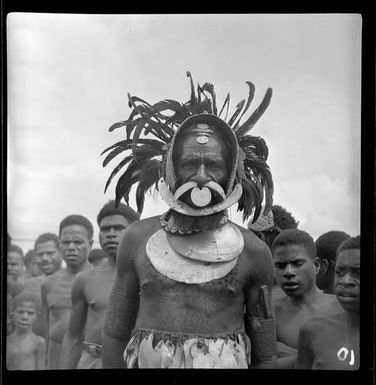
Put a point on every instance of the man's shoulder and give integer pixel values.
(145, 224)
(330, 302)
(51, 279)
(38, 339)
(252, 241)
(281, 302)
(315, 325)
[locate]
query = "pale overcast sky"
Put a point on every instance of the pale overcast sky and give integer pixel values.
(68, 77)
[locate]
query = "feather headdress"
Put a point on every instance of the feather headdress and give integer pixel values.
(148, 159)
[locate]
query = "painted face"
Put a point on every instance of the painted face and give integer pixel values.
(347, 279)
(15, 265)
(201, 162)
(75, 244)
(48, 257)
(295, 270)
(24, 315)
(111, 230)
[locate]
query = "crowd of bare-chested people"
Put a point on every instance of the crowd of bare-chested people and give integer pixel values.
(56, 311)
(189, 288)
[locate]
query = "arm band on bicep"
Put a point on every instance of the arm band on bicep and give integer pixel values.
(263, 335)
(120, 316)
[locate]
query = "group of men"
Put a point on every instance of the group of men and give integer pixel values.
(190, 288)
(73, 297)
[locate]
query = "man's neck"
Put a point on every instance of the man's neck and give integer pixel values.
(22, 332)
(77, 268)
(174, 222)
(309, 298)
(352, 320)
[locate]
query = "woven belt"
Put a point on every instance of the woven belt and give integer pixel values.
(94, 350)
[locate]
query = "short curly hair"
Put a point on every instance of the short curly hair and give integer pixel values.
(283, 219)
(327, 244)
(295, 237)
(77, 219)
(27, 296)
(349, 244)
(46, 237)
(16, 249)
(110, 209)
(29, 257)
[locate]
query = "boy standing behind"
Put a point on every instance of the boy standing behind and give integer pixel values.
(333, 342)
(25, 350)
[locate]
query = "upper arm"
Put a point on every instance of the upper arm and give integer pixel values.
(79, 305)
(43, 293)
(261, 268)
(124, 298)
(126, 280)
(305, 353)
(41, 353)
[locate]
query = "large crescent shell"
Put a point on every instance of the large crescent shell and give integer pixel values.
(171, 264)
(221, 245)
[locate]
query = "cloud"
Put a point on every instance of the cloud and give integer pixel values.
(321, 204)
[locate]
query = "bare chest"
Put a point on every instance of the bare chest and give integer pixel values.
(332, 350)
(21, 354)
(59, 293)
(97, 291)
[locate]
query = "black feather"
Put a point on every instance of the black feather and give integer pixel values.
(149, 176)
(239, 107)
(251, 94)
(252, 120)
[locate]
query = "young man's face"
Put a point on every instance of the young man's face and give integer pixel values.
(48, 257)
(75, 244)
(111, 231)
(15, 265)
(347, 279)
(295, 270)
(24, 315)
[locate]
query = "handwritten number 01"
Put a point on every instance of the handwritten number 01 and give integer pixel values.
(343, 353)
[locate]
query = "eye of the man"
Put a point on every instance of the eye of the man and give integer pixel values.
(115, 227)
(280, 265)
(339, 271)
(298, 262)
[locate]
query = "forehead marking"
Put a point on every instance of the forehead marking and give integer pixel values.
(202, 139)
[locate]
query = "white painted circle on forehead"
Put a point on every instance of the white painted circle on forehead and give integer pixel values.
(202, 126)
(202, 139)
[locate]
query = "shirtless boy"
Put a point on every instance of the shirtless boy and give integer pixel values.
(333, 342)
(76, 239)
(267, 227)
(25, 350)
(82, 344)
(296, 267)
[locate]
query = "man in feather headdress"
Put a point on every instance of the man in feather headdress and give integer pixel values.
(192, 289)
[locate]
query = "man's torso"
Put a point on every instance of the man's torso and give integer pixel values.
(97, 289)
(290, 318)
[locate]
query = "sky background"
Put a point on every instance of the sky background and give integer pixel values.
(68, 79)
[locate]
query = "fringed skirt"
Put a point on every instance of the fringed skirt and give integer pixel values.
(156, 349)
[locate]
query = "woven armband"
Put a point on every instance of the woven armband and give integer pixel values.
(120, 316)
(263, 335)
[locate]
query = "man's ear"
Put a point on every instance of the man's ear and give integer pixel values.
(324, 265)
(318, 265)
